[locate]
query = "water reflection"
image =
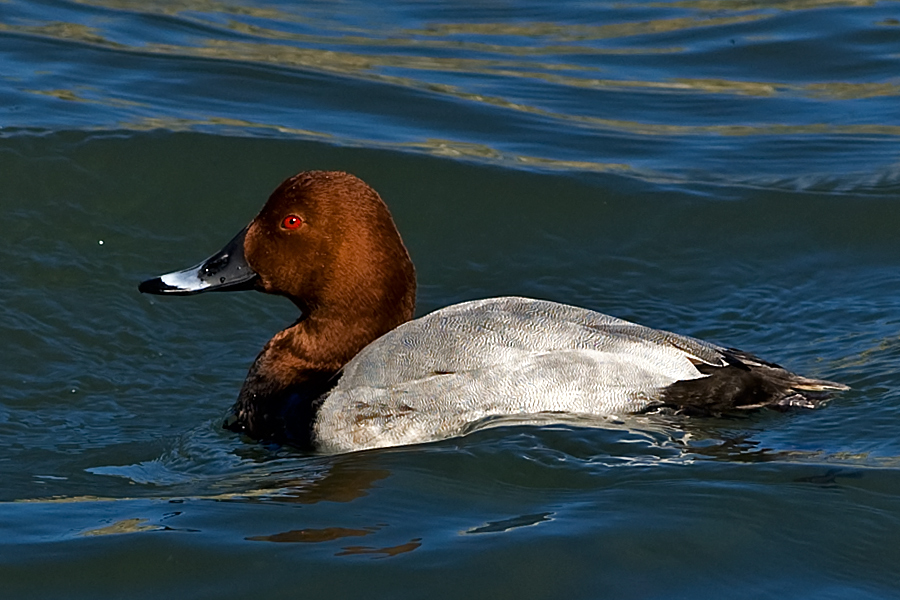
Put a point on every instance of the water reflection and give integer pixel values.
(177, 7)
(591, 94)
(411, 55)
(135, 525)
(443, 48)
(830, 477)
(331, 534)
(343, 481)
(306, 536)
(557, 32)
(385, 552)
(780, 5)
(124, 526)
(512, 523)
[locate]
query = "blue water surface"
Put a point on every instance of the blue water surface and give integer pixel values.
(728, 170)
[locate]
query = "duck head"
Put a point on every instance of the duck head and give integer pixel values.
(326, 241)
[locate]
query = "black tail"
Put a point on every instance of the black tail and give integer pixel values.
(745, 382)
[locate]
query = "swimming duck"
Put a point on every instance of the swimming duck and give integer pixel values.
(356, 371)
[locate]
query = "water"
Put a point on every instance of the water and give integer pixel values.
(725, 170)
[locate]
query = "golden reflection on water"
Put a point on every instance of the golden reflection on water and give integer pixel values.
(83, 94)
(372, 65)
(193, 9)
(405, 58)
(124, 526)
(177, 7)
(434, 147)
(68, 95)
(62, 31)
(581, 33)
(184, 124)
(852, 91)
(779, 5)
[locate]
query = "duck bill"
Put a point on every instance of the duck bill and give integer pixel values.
(226, 270)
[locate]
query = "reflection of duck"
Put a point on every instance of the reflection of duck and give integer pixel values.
(355, 372)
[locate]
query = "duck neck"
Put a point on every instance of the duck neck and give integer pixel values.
(300, 364)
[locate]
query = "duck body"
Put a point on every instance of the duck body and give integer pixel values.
(356, 372)
(451, 371)
(437, 376)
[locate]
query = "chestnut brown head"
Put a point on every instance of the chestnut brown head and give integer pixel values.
(324, 239)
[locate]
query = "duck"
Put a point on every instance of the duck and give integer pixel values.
(357, 371)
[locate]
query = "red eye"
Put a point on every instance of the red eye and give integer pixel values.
(291, 222)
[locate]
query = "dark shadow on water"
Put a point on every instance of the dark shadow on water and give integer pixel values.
(310, 479)
(386, 552)
(313, 535)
